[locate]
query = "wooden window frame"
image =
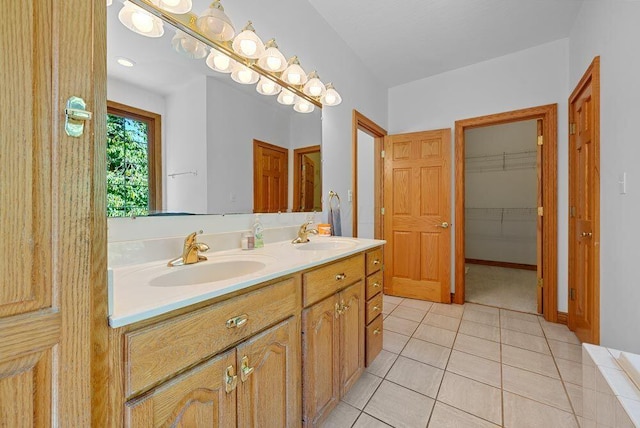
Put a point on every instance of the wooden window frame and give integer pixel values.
(154, 147)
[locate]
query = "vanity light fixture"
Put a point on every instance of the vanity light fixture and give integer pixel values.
(267, 86)
(286, 97)
(294, 74)
(272, 59)
(303, 106)
(109, 3)
(220, 62)
(125, 62)
(331, 97)
(174, 6)
(247, 43)
(242, 74)
(187, 46)
(214, 23)
(140, 21)
(314, 87)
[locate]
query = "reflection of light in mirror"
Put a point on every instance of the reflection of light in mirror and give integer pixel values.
(187, 46)
(125, 62)
(303, 106)
(286, 97)
(140, 21)
(220, 62)
(267, 87)
(241, 74)
(174, 6)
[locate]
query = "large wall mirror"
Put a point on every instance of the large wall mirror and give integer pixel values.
(207, 127)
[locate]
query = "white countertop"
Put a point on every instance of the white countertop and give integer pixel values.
(133, 298)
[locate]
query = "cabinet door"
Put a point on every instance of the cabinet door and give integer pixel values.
(351, 335)
(202, 397)
(320, 356)
(269, 371)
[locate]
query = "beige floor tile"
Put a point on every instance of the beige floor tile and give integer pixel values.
(481, 308)
(476, 368)
(529, 360)
(575, 396)
(394, 300)
(423, 305)
(471, 396)
(525, 341)
(366, 421)
(383, 362)
(567, 351)
(393, 342)
(481, 317)
(522, 326)
(445, 416)
(428, 353)
(535, 386)
(437, 335)
(570, 371)
(477, 346)
(399, 407)
(442, 321)
(452, 310)
(400, 325)
(416, 376)
(343, 416)
(409, 313)
(559, 332)
(387, 308)
(505, 313)
(483, 331)
(520, 412)
(362, 390)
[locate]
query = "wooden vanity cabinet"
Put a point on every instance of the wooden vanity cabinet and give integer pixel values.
(374, 331)
(332, 336)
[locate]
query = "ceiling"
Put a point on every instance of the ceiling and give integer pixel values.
(408, 40)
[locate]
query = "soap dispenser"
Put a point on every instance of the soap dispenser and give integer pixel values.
(258, 239)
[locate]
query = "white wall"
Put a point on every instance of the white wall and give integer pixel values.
(186, 148)
(366, 179)
(528, 78)
(610, 29)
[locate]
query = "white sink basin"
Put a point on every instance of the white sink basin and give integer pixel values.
(206, 272)
(327, 245)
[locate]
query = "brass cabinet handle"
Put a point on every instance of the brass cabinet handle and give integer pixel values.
(338, 311)
(376, 308)
(376, 284)
(376, 332)
(237, 322)
(230, 379)
(587, 234)
(245, 370)
(340, 276)
(376, 262)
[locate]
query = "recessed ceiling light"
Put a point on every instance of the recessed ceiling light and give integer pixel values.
(125, 62)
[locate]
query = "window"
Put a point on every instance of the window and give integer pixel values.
(134, 168)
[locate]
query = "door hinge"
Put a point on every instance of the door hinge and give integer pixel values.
(573, 211)
(540, 211)
(382, 154)
(382, 210)
(572, 293)
(572, 129)
(540, 140)
(540, 283)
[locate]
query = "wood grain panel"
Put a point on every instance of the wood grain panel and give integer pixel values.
(430, 148)
(374, 284)
(431, 183)
(327, 280)
(352, 323)
(25, 334)
(374, 308)
(429, 246)
(373, 260)
(374, 335)
(401, 150)
(402, 191)
(401, 255)
(157, 352)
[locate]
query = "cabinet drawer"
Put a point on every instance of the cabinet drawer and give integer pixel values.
(155, 353)
(374, 308)
(325, 281)
(373, 342)
(374, 284)
(374, 260)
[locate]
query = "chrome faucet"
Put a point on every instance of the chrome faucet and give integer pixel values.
(190, 252)
(303, 233)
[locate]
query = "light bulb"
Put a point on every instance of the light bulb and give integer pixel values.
(303, 106)
(315, 90)
(171, 2)
(248, 44)
(142, 21)
(244, 76)
(272, 59)
(274, 63)
(222, 61)
(330, 98)
(248, 47)
(268, 87)
(286, 97)
(294, 78)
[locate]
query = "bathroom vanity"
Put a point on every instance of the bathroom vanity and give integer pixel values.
(276, 343)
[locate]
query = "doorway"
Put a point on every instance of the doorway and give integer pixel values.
(270, 182)
(307, 179)
(546, 210)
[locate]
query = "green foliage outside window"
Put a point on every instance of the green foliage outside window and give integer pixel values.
(127, 167)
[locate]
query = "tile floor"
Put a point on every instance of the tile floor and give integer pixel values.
(466, 366)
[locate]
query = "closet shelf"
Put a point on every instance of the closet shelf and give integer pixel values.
(502, 162)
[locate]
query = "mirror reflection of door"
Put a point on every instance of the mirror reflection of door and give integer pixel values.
(307, 180)
(270, 178)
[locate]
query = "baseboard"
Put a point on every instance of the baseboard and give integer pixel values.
(562, 318)
(501, 264)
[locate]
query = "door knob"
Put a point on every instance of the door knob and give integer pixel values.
(587, 234)
(443, 225)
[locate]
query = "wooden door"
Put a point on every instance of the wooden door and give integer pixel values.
(417, 211)
(270, 178)
(202, 397)
(321, 361)
(308, 187)
(539, 222)
(52, 227)
(269, 371)
(584, 207)
(352, 321)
